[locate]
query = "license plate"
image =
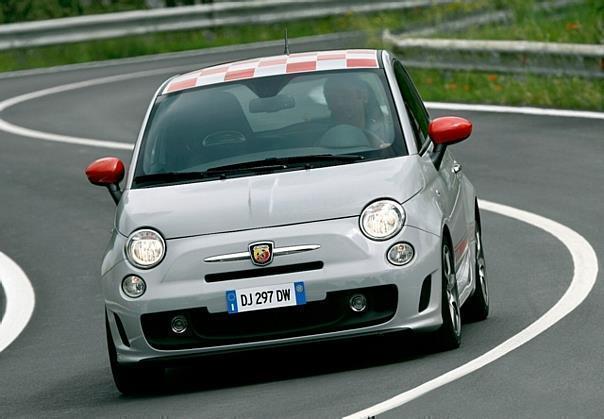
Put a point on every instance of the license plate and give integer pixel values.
(261, 298)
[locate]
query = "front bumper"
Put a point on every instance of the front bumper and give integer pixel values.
(399, 298)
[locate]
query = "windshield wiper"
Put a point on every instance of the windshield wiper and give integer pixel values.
(215, 172)
(271, 162)
(257, 166)
(313, 158)
(168, 177)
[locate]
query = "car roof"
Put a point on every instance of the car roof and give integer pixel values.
(304, 62)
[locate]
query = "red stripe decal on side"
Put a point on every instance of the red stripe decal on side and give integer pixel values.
(303, 66)
(361, 62)
(239, 74)
(461, 246)
(180, 85)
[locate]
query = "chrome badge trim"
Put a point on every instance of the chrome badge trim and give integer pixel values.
(277, 251)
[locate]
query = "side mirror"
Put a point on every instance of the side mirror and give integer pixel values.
(449, 130)
(445, 131)
(108, 172)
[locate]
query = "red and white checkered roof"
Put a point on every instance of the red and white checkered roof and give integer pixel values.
(273, 66)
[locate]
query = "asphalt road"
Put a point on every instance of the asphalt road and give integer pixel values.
(55, 226)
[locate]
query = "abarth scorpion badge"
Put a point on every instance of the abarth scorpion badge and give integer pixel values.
(261, 253)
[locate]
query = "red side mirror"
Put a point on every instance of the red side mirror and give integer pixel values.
(449, 130)
(106, 171)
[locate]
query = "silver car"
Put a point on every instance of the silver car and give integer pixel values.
(283, 200)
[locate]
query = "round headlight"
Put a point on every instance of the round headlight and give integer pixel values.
(145, 248)
(134, 286)
(382, 220)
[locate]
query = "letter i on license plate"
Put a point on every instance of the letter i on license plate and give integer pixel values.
(260, 298)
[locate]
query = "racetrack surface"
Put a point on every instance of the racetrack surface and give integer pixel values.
(55, 225)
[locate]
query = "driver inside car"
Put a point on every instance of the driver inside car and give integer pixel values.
(355, 113)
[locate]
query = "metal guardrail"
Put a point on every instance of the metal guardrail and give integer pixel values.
(113, 25)
(546, 58)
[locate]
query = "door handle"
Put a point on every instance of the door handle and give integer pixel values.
(456, 168)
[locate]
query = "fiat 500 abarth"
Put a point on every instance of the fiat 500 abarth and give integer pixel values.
(287, 199)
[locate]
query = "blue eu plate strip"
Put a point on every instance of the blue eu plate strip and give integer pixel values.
(231, 298)
(300, 293)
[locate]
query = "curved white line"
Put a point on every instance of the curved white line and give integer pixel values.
(585, 264)
(59, 138)
(68, 139)
(524, 110)
(20, 300)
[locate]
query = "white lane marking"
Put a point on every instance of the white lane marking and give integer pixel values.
(68, 139)
(116, 145)
(58, 138)
(20, 300)
(585, 264)
(524, 110)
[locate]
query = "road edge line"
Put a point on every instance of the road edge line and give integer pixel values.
(522, 110)
(585, 272)
(20, 301)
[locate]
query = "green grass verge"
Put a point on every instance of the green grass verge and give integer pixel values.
(505, 89)
(581, 23)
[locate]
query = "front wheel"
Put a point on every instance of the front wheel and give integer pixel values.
(449, 334)
(135, 379)
(477, 306)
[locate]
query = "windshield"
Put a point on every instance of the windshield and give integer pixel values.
(296, 122)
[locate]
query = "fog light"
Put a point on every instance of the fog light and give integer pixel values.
(358, 303)
(400, 254)
(134, 286)
(179, 324)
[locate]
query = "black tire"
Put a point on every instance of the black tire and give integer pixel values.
(448, 336)
(131, 380)
(477, 306)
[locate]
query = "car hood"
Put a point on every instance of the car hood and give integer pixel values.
(268, 200)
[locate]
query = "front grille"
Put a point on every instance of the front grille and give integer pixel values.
(328, 315)
(273, 270)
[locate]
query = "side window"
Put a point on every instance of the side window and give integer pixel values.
(415, 106)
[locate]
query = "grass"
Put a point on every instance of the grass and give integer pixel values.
(580, 23)
(506, 89)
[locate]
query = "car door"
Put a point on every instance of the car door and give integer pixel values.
(444, 181)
